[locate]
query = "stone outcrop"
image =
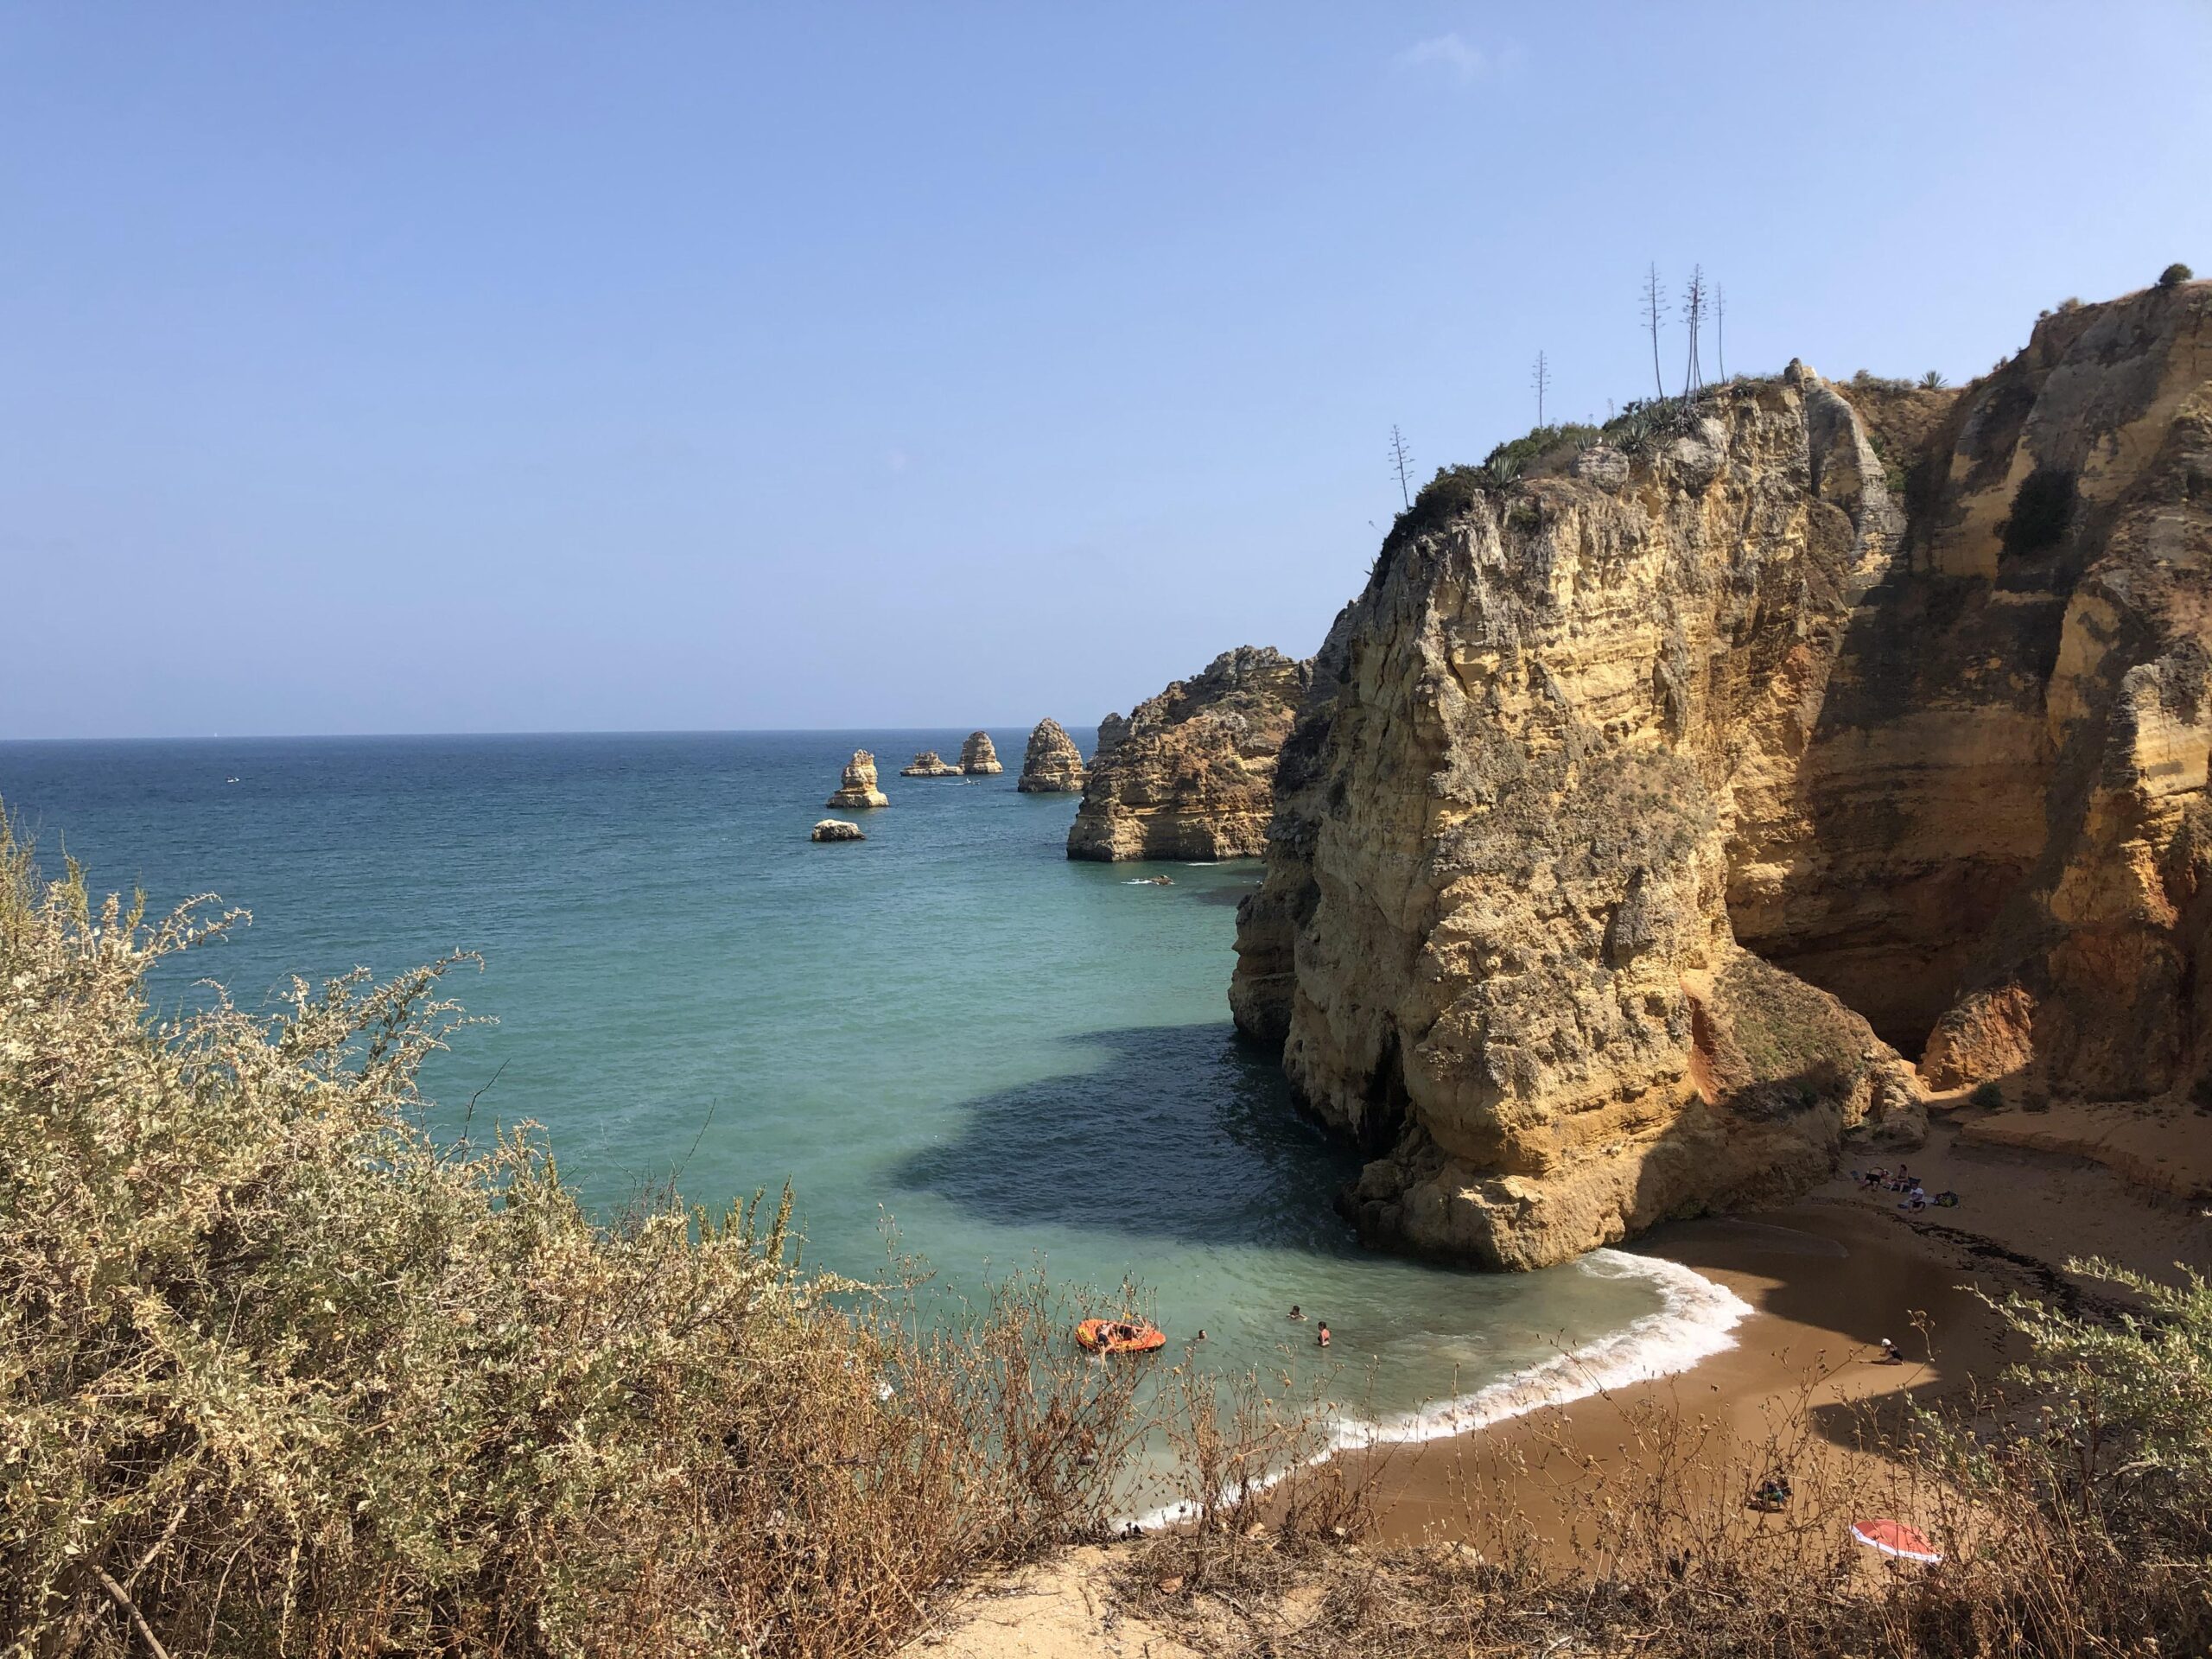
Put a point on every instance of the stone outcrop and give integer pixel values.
(1652, 812)
(836, 830)
(1052, 764)
(1190, 774)
(929, 764)
(978, 759)
(859, 788)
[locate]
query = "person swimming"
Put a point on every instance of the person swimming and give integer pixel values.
(1296, 1311)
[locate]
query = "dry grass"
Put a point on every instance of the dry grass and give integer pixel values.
(2076, 1528)
(279, 1374)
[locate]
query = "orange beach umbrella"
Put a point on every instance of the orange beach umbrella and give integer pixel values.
(1895, 1538)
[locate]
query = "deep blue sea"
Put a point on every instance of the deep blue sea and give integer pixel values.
(949, 1028)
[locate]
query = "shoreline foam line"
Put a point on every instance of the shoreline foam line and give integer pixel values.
(1696, 1320)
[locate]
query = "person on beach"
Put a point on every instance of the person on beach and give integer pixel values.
(1321, 1337)
(1891, 1354)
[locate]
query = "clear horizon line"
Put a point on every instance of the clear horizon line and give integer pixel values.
(571, 731)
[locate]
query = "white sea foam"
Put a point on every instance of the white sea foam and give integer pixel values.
(1696, 1320)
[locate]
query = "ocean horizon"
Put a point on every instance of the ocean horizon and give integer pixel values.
(949, 1040)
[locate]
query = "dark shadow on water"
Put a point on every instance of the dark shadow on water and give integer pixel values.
(1184, 1131)
(1231, 896)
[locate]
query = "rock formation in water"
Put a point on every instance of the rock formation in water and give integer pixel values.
(1053, 764)
(859, 788)
(1650, 809)
(1190, 774)
(836, 830)
(978, 759)
(930, 763)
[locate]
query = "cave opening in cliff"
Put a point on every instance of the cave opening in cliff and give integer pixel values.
(1919, 811)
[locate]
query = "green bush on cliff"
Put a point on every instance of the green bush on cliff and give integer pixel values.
(1514, 457)
(2042, 508)
(279, 1374)
(2175, 275)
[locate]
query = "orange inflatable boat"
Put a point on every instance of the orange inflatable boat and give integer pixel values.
(1120, 1336)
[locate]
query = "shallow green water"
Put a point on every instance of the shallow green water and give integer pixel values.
(1014, 1058)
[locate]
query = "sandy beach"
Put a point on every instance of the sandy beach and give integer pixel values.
(1827, 1277)
(1802, 1386)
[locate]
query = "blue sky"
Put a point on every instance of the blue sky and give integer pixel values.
(422, 367)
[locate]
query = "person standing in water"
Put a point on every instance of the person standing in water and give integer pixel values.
(1321, 1335)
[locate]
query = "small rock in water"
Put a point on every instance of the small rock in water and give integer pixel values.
(978, 759)
(859, 788)
(836, 830)
(930, 763)
(1053, 764)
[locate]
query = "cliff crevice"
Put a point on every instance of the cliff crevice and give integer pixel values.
(1650, 814)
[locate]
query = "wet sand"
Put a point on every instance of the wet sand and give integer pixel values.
(1803, 1387)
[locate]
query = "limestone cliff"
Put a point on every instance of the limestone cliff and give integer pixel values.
(979, 758)
(1053, 764)
(858, 787)
(1190, 774)
(929, 764)
(1646, 805)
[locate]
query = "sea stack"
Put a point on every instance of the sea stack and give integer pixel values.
(1660, 802)
(836, 830)
(859, 788)
(977, 758)
(1190, 774)
(1053, 765)
(929, 764)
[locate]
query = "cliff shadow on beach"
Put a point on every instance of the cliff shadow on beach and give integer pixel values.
(1181, 1132)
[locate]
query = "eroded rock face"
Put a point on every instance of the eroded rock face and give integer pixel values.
(929, 764)
(978, 759)
(1052, 764)
(1190, 774)
(1627, 796)
(836, 830)
(859, 788)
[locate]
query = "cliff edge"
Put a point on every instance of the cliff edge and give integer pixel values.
(1652, 813)
(1190, 774)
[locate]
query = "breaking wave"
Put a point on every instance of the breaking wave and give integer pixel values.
(1696, 1320)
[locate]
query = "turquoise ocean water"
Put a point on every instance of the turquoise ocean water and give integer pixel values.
(1015, 1059)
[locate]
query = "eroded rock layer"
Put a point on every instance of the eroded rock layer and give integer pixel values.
(1629, 792)
(1190, 774)
(979, 758)
(929, 764)
(858, 787)
(1053, 764)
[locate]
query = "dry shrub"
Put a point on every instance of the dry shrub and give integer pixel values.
(281, 1374)
(2076, 1524)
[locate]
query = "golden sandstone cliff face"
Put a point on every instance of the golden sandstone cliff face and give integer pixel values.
(1051, 765)
(1190, 774)
(1642, 811)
